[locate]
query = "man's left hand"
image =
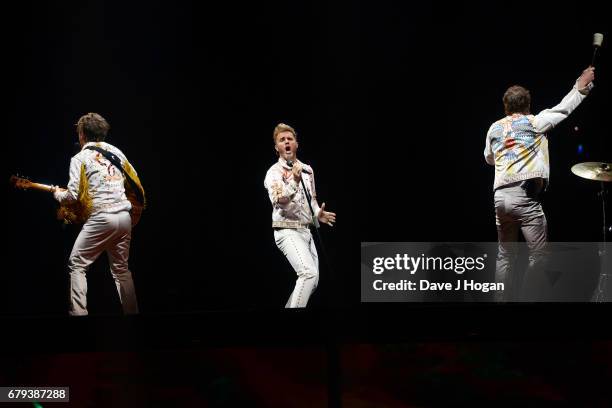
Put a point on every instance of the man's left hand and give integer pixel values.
(58, 192)
(326, 217)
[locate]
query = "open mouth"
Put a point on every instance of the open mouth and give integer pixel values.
(288, 149)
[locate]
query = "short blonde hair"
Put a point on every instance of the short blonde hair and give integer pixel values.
(281, 127)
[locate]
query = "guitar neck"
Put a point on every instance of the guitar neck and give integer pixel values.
(41, 187)
(25, 184)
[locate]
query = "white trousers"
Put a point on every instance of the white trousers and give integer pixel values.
(299, 248)
(110, 233)
(518, 207)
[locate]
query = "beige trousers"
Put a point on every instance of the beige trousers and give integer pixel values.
(103, 232)
(518, 208)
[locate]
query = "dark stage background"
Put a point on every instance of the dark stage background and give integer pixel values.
(391, 103)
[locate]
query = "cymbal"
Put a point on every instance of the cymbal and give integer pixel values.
(593, 171)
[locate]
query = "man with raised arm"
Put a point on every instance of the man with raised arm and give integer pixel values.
(517, 145)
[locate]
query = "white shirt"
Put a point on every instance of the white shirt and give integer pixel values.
(106, 187)
(289, 202)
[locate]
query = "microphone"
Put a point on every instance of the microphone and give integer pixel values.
(597, 40)
(290, 164)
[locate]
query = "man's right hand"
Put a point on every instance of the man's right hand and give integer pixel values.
(588, 75)
(297, 172)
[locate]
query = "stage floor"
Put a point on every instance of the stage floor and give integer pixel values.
(376, 355)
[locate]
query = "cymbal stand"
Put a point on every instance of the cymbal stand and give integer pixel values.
(605, 272)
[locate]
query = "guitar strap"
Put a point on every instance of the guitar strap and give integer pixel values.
(111, 157)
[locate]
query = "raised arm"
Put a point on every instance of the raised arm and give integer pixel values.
(549, 118)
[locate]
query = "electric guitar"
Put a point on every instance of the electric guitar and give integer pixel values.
(72, 212)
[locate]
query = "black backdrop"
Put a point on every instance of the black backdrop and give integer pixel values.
(391, 103)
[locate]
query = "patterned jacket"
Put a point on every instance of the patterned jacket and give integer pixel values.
(517, 145)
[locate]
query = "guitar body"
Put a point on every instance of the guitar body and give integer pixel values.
(72, 212)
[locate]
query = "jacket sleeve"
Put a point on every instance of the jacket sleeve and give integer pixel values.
(488, 151)
(313, 193)
(72, 190)
(549, 118)
(280, 190)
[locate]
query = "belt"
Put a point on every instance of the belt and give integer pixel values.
(289, 224)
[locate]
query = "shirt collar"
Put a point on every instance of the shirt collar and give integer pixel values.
(90, 144)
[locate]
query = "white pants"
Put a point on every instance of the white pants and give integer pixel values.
(518, 207)
(299, 248)
(102, 232)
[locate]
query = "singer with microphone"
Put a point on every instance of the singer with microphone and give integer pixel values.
(291, 188)
(517, 146)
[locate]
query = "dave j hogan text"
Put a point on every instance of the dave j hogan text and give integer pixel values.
(425, 285)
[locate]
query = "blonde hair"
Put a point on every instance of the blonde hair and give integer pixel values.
(281, 127)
